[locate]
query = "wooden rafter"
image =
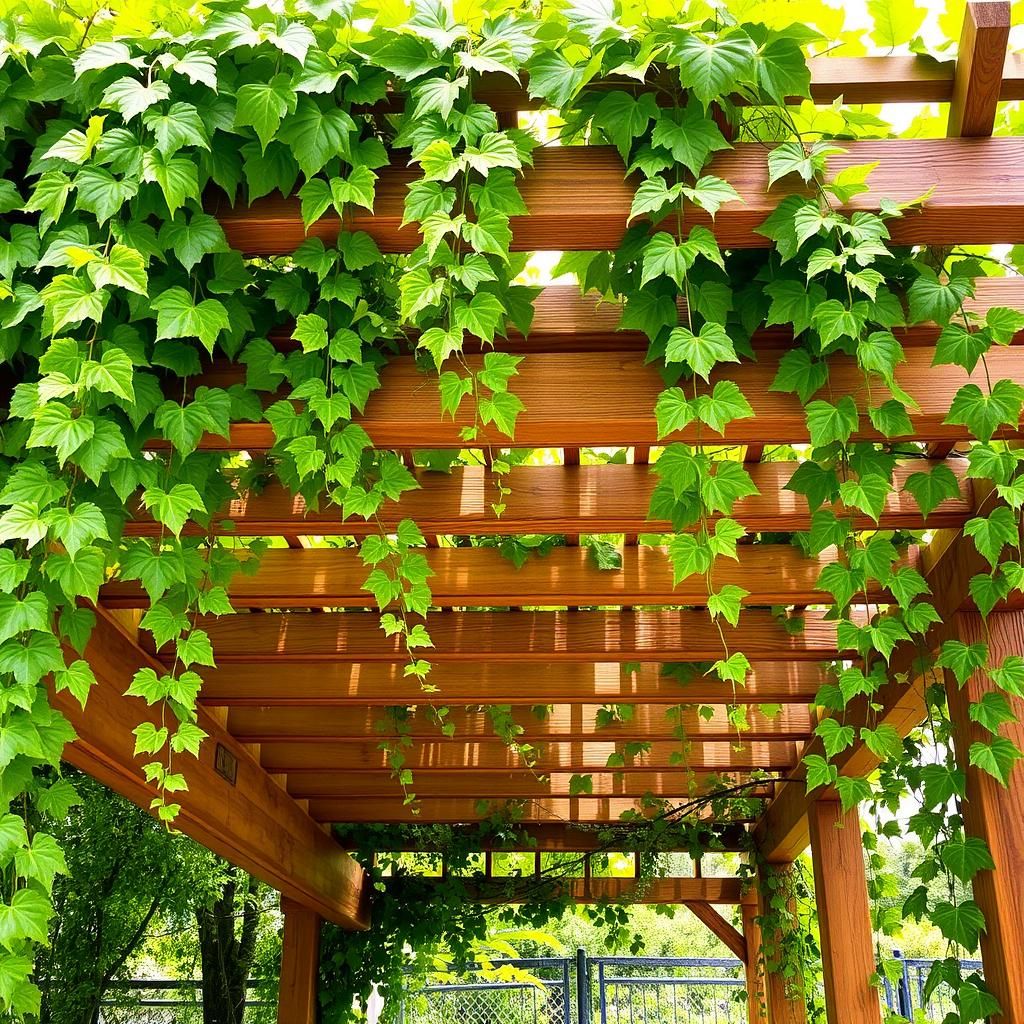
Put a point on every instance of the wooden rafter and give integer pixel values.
(978, 198)
(554, 499)
(773, 574)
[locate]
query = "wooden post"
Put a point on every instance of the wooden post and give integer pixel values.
(995, 814)
(844, 917)
(300, 965)
(979, 68)
(782, 1009)
(757, 995)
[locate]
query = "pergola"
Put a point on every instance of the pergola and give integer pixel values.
(304, 670)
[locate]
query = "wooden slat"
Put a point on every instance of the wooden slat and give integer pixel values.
(569, 756)
(567, 401)
(520, 637)
(889, 79)
(977, 82)
(566, 722)
(554, 499)
(266, 684)
(565, 837)
(719, 927)
(723, 891)
(773, 574)
(459, 811)
(978, 198)
(511, 785)
(253, 823)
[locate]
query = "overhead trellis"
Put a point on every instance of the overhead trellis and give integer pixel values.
(318, 510)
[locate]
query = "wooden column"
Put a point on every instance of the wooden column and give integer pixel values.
(782, 1009)
(300, 964)
(844, 917)
(995, 814)
(979, 68)
(757, 995)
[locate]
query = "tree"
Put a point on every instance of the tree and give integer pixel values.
(124, 869)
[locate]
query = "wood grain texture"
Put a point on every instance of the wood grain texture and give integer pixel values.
(773, 574)
(977, 82)
(753, 966)
(297, 1001)
(783, 982)
(477, 637)
(520, 785)
(723, 891)
(978, 198)
(281, 685)
(719, 927)
(844, 916)
(253, 824)
(995, 813)
(283, 756)
(456, 811)
(557, 499)
(566, 722)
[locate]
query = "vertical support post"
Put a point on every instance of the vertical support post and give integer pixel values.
(844, 916)
(979, 69)
(757, 995)
(995, 813)
(583, 1014)
(782, 1009)
(300, 965)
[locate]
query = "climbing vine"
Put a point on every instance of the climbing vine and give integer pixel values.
(142, 351)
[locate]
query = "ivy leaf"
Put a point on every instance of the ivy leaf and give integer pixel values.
(963, 659)
(177, 177)
(41, 860)
(70, 300)
(961, 923)
(819, 772)
(997, 757)
(317, 136)
(124, 267)
(262, 106)
(992, 533)
(728, 483)
(931, 489)
(714, 68)
(193, 239)
(725, 404)
(726, 602)
(701, 352)
(689, 135)
(798, 372)
(77, 526)
(172, 507)
(623, 117)
(961, 347)
(502, 409)
(581, 784)
(931, 299)
(688, 556)
(991, 711)
(852, 790)
(884, 742)
(130, 98)
(179, 317)
(828, 423)
(835, 736)
(27, 916)
(195, 649)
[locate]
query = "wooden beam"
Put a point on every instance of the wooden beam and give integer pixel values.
(753, 964)
(857, 80)
(724, 891)
(977, 82)
(783, 978)
(772, 574)
(561, 722)
(520, 637)
(566, 837)
(518, 785)
(566, 400)
(555, 499)
(978, 198)
(297, 1001)
(270, 684)
(453, 811)
(285, 757)
(844, 917)
(995, 813)
(250, 821)
(719, 927)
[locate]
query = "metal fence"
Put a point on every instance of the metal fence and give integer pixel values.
(172, 1001)
(907, 995)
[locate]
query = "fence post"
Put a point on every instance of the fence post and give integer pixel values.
(903, 1004)
(583, 1014)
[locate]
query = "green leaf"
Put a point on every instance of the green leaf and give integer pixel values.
(961, 347)
(690, 135)
(193, 239)
(177, 177)
(701, 352)
(884, 742)
(852, 790)
(130, 98)
(895, 24)
(725, 404)
(727, 602)
(828, 423)
(931, 489)
(991, 711)
(41, 860)
(835, 736)
(963, 659)
(124, 267)
(713, 69)
(997, 757)
(994, 532)
(819, 772)
(70, 300)
(317, 136)
(172, 507)
(263, 105)
(932, 299)
(581, 784)
(179, 317)
(27, 916)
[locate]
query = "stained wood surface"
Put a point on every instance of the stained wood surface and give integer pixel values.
(253, 823)
(284, 756)
(606, 399)
(542, 810)
(978, 198)
(844, 916)
(753, 964)
(513, 785)
(981, 59)
(519, 636)
(562, 722)
(995, 813)
(719, 927)
(560, 499)
(773, 574)
(297, 998)
(267, 684)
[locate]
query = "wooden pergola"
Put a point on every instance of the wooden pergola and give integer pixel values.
(304, 670)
